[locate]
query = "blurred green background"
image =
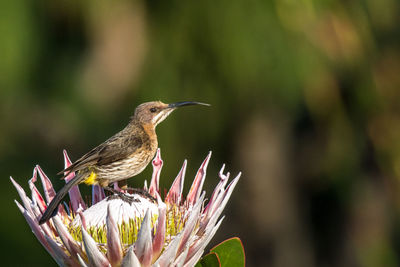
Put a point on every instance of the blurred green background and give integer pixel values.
(305, 102)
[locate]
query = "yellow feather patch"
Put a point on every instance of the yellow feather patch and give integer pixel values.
(91, 179)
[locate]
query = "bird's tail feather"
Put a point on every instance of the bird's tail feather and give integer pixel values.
(52, 208)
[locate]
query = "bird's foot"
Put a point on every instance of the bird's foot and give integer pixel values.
(142, 192)
(121, 195)
(130, 199)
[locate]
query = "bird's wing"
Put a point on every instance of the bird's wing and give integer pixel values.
(120, 150)
(108, 152)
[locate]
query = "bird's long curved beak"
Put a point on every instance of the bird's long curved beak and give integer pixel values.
(186, 103)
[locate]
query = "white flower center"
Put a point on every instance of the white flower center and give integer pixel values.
(123, 210)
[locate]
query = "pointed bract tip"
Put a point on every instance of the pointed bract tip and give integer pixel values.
(130, 259)
(143, 245)
(157, 159)
(34, 174)
(221, 172)
(67, 160)
(20, 207)
(95, 257)
(16, 185)
(206, 160)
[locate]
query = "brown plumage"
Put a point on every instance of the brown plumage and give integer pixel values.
(122, 156)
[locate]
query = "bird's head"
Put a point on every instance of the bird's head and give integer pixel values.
(156, 111)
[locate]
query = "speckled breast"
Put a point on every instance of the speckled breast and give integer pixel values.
(124, 169)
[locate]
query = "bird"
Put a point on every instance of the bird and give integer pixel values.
(124, 155)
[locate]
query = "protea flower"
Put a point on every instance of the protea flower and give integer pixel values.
(141, 229)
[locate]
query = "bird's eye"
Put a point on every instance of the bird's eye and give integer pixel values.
(153, 110)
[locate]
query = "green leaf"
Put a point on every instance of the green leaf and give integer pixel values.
(230, 253)
(209, 260)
